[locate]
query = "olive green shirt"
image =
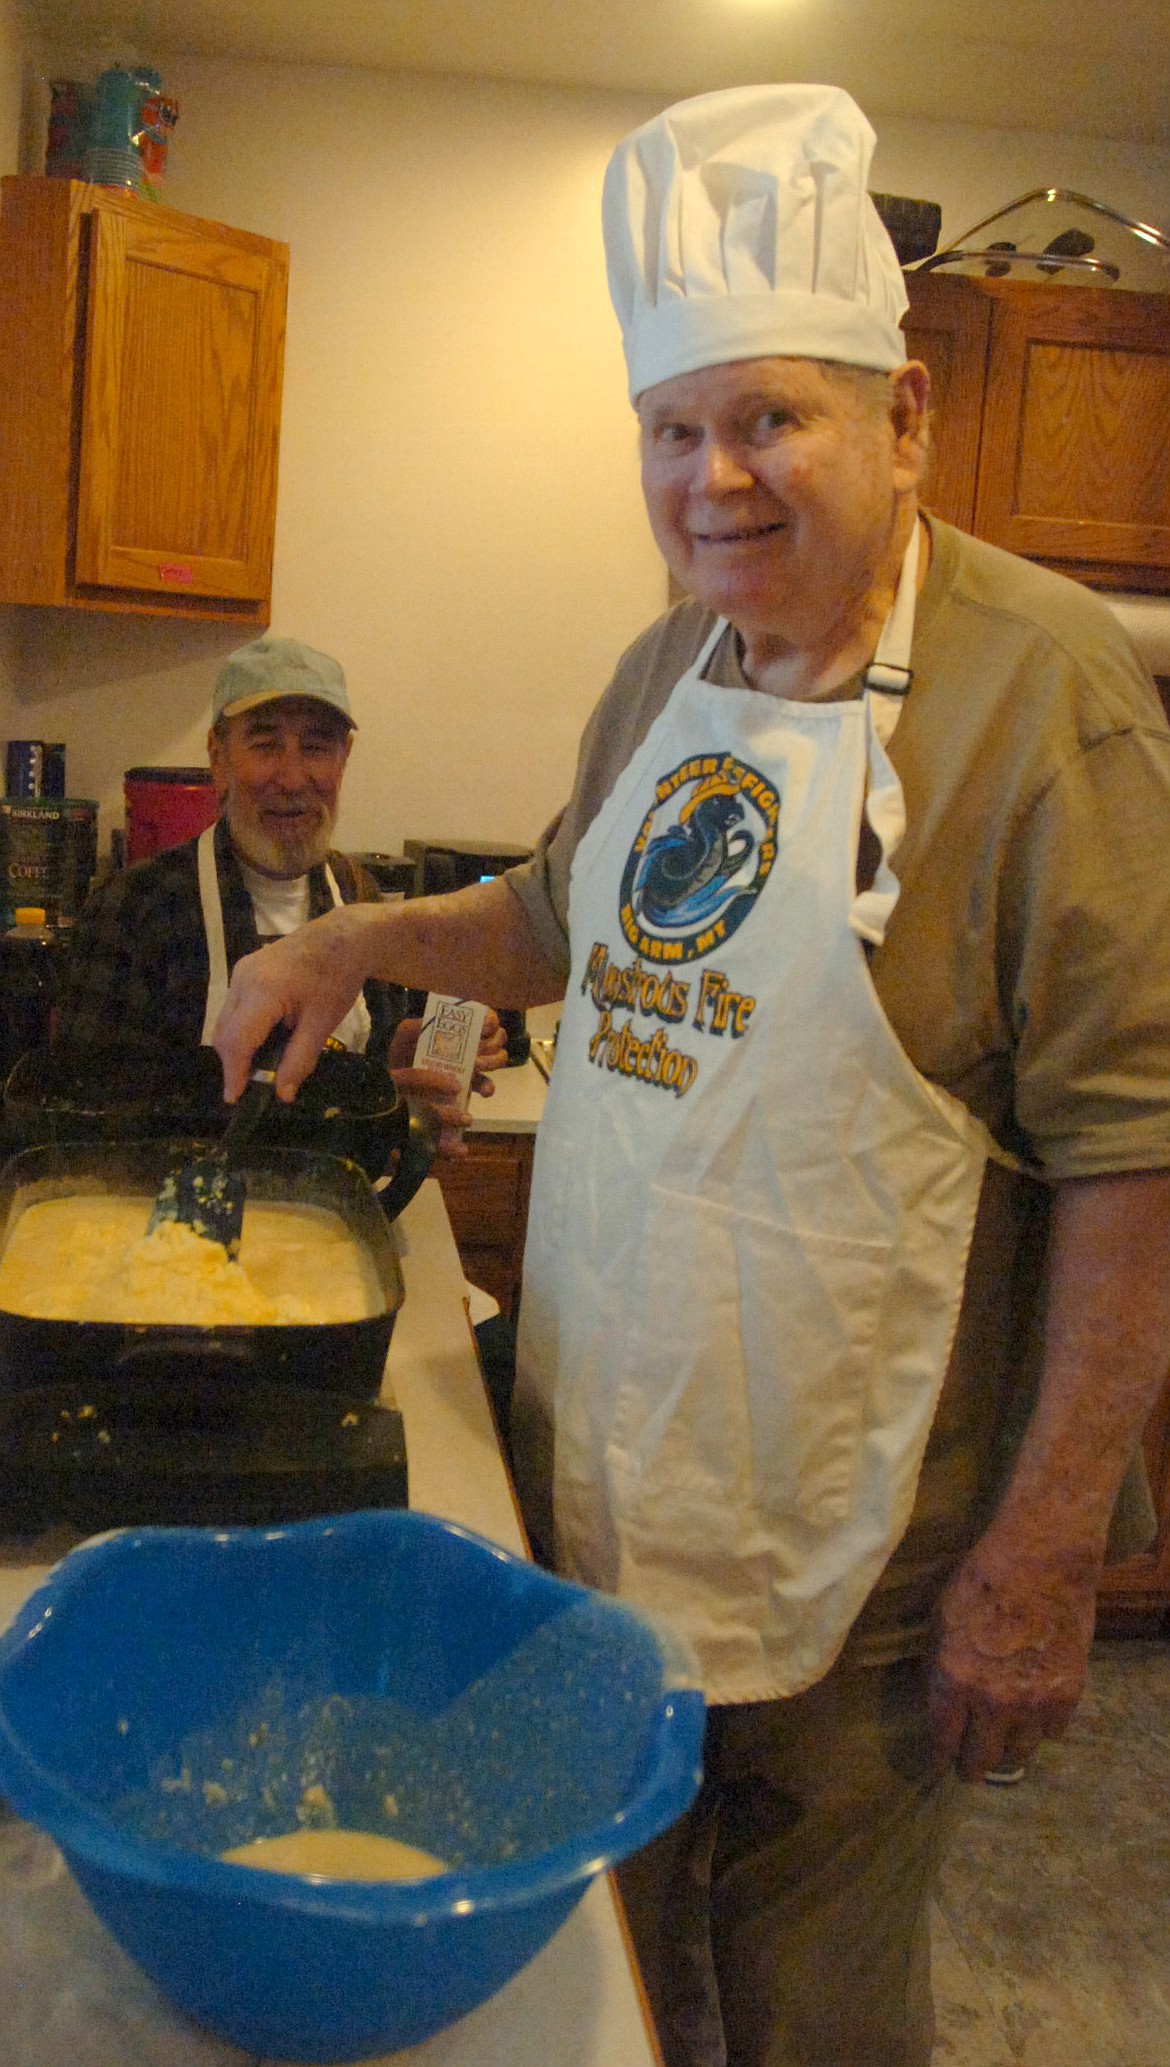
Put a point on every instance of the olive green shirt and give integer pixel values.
(1026, 967)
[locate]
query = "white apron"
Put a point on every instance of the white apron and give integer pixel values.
(750, 1214)
(354, 1030)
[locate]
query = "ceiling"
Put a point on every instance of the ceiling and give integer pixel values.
(1084, 67)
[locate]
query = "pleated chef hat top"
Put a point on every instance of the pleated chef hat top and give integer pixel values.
(739, 226)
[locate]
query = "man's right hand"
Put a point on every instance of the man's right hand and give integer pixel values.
(309, 979)
(467, 943)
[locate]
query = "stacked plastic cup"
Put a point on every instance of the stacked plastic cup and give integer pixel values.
(113, 156)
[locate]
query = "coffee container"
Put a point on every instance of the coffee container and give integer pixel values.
(48, 853)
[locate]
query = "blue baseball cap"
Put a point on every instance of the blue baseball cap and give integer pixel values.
(272, 668)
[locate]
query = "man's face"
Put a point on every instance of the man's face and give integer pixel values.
(277, 771)
(772, 488)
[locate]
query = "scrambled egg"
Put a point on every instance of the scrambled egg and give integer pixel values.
(173, 1263)
(89, 1259)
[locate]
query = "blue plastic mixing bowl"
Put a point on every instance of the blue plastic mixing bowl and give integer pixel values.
(170, 1693)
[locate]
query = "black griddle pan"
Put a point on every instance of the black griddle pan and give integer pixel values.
(194, 1449)
(334, 1356)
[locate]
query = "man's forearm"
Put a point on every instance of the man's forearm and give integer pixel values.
(476, 943)
(1015, 1621)
(1106, 1353)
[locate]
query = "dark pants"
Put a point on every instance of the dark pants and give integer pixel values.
(496, 1342)
(784, 1920)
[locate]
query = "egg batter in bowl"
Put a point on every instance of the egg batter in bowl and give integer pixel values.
(338, 1855)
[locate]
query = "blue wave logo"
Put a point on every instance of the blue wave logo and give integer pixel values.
(702, 855)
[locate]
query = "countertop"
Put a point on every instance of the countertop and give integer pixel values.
(517, 1100)
(70, 1998)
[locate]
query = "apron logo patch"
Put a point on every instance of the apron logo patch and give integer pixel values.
(702, 855)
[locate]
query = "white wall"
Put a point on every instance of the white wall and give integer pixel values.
(459, 518)
(459, 515)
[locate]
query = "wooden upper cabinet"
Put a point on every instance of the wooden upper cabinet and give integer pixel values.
(139, 431)
(948, 330)
(1053, 421)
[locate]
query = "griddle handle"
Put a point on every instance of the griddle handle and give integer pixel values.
(415, 1158)
(194, 1346)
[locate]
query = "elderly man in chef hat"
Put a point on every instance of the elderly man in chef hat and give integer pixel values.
(860, 922)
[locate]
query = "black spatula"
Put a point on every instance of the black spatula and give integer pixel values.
(207, 1192)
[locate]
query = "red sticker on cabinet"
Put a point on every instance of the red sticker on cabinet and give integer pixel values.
(169, 572)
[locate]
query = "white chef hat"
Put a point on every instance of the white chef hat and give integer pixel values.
(739, 226)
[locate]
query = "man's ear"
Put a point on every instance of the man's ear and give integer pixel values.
(910, 418)
(215, 761)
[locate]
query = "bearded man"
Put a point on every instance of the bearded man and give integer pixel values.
(154, 948)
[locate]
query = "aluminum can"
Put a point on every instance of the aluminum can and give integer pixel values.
(34, 768)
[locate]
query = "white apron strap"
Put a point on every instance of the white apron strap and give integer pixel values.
(354, 1030)
(209, 898)
(889, 674)
(887, 681)
(716, 633)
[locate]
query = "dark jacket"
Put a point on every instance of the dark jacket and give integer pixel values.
(137, 972)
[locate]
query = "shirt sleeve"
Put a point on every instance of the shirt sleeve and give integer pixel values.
(1088, 902)
(641, 686)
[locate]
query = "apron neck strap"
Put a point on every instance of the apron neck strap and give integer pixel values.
(889, 672)
(209, 898)
(886, 681)
(699, 666)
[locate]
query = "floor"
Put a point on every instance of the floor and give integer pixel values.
(1052, 1928)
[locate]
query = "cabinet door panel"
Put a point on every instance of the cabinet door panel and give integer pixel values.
(947, 328)
(38, 315)
(1075, 461)
(1093, 436)
(178, 452)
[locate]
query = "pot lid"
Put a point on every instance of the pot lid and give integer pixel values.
(1056, 235)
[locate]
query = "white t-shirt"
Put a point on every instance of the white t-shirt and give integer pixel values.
(281, 905)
